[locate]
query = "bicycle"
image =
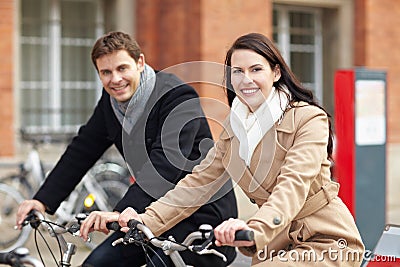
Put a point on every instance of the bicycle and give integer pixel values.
(139, 234)
(18, 258)
(100, 189)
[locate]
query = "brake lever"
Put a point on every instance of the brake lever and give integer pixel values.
(212, 251)
(118, 241)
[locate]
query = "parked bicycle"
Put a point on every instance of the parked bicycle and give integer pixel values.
(139, 234)
(9, 239)
(100, 189)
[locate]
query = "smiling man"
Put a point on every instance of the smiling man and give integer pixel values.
(157, 124)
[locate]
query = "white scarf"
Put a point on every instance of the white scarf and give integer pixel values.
(250, 127)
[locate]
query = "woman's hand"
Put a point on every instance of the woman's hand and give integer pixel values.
(96, 221)
(225, 233)
(126, 215)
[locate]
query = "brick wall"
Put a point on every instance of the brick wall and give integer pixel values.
(222, 22)
(168, 31)
(6, 78)
(378, 46)
(178, 31)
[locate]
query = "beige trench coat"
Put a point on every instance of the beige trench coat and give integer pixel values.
(300, 221)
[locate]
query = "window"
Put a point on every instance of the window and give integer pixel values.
(58, 84)
(297, 32)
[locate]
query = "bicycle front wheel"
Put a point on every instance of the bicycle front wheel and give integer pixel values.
(10, 238)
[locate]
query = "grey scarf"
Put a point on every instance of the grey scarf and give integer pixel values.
(129, 112)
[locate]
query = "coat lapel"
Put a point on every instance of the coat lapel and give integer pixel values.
(262, 159)
(249, 179)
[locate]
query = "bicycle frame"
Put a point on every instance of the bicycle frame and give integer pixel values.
(88, 184)
(33, 165)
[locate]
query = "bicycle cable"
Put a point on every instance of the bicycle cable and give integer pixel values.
(49, 224)
(148, 247)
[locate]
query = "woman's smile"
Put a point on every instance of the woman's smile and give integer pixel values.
(249, 91)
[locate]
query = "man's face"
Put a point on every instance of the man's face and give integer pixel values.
(120, 74)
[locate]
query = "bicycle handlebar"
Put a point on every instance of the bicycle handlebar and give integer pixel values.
(18, 257)
(240, 235)
(113, 226)
(205, 233)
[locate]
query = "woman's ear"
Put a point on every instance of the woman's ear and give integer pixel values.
(277, 73)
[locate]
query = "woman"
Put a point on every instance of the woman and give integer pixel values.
(276, 145)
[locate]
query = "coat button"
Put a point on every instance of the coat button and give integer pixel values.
(276, 220)
(252, 200)
(149, 141)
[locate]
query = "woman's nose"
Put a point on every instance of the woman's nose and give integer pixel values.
(247, 78)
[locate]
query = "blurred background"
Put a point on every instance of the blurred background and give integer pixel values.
(48, 84)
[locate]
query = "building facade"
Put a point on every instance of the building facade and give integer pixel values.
(48, 83)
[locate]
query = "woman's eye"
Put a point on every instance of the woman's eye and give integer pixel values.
(256, 69)
(236, 71)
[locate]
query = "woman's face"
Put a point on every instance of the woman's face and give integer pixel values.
(252, 77)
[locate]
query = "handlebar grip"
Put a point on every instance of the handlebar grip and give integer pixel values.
(133, 223)
(34, 218)
(6, 257)
(244, 235)
(113, 226)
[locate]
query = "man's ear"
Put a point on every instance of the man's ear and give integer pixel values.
(141, 62)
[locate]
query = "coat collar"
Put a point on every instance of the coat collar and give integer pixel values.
(253, 179)
(286, 125)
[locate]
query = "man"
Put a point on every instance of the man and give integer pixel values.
(157, 124)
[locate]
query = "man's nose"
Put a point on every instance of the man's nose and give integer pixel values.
(116, 77)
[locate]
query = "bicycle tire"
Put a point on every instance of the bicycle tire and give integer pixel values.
(107, 171)
(114, 190)
(10, 238)
(20, 183)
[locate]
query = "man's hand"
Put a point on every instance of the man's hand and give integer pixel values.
(96, 221)
(225, 233)
(125, 216)
(25, 207)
